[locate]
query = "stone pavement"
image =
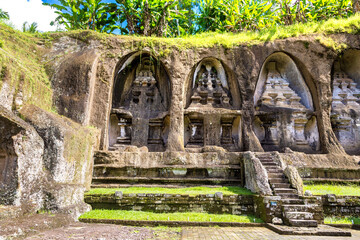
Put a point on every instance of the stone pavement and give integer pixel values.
(253, 233)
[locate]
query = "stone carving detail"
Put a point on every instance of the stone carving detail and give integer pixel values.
(281, 111)
(345, 117)
(209, 90)
(125, 131)
(277, 91)
(197, 132)
(211, 118)
(145, 94)
(141, 112)
(226, 131)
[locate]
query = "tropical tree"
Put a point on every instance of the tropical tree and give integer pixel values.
(83, 14)
(30, 28)
(4, 15)
(145, 17)
(356, 5)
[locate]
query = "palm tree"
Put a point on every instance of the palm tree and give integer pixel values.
(32, 28)
(4, 15)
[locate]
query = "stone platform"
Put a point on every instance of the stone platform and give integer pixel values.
(320, 230)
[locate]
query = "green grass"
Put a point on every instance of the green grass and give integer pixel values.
(22, 68)
(341, 190)
(342, 220)
(188, 191)
(228, 39)
(186, 216)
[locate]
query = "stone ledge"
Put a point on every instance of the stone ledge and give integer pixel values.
(171, 223)
(321, 230)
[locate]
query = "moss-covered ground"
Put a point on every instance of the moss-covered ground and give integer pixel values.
(337, 189)
(349, 25)
(183, 216)
(192, 191)
(342, 220)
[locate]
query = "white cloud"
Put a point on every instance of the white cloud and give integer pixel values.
(21, 11)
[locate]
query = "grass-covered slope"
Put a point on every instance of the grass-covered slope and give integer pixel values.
(332, 26)
(21, 67)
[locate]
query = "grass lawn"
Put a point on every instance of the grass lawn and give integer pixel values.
(186, 216)
(188, 191)
(342, 220)
(341, 190)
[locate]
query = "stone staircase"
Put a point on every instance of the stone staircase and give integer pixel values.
(295, 212)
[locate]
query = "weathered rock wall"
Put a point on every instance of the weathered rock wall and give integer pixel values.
(243, 64)
(209, 203)
(45, 161)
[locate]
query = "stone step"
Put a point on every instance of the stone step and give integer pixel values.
(299, 215)
(288, 195)
(280, 185)
(268, 164)
(292, 201)
(273, 167)
(274, 170)
(276, 175)
(117, 185)
(296, 207)
(278, 180)
(267, 161)
(285, 190)
(302, 223)
(223, 171)
(181, 181)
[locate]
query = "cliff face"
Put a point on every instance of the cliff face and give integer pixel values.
(88, 86)
(45, 158)
(196, 99)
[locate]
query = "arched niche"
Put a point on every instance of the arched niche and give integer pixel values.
(212, 116)
(212, 73)
(140, 103)
(288, 70)
(284, 107)
(345, 113)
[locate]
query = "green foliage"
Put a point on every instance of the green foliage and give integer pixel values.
(148, 17)
(341, 190)
(342, 220)
(4, 15)
(178, 216)
(169, 18)
(30, 28)
(83, 14)
(188, 191)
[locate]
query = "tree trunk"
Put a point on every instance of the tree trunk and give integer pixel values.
(147, 19)
(356, 5)
(162, 25)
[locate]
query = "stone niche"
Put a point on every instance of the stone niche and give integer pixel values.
(284, 112)
(211, 116)
(140, 103)
(345, 113)
(8, 161)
